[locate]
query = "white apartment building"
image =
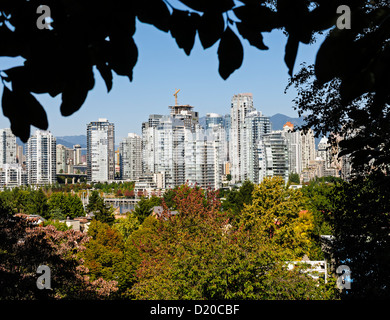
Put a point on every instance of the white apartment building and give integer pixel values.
(61, 159)
(149, 143)
(241, 105)
(7, 146)
(12, 175)
(100, 151)
(256, 125)
(77, 151)
(41, 158)
(308, 148)
(180, 150)
(203, 160)
(294, 146)
(130, 150)
(276, 160)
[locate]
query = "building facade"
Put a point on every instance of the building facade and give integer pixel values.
(176, 148)
(294, 145)
(241, 105)
(41, 158)
(7, 146)
(256, 125)
(12, 175)
(276, 160)
(130, 150)
(308, 148)
(100, 151)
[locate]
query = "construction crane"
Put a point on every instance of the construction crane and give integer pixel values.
(175, 94)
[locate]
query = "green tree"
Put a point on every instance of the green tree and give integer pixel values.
(67, 204)
(127, 225)
(283, 217)
(319, 194)
(361, 220)
(197, 254)
(237, 199)
(108, 257)
(294, 178)
(101, 211)
(76, 208)
(57, 214)
(143, 209)
(37, 204)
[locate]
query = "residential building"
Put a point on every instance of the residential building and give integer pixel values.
(77, 154)
(275, 152)
(12, 175)
(130, 150)
(241, 105)
(149, 143)
(202, 159)
(308, 148)
(7, 146)
(213, 119)
(61, 159)
(41, 158)
(256, 125)
(294, 146)
(100, 151)
(177, 150)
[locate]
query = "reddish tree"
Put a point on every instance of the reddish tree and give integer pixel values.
(25, 246)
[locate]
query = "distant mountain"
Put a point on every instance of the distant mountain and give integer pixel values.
(70, 141)
(279, 120)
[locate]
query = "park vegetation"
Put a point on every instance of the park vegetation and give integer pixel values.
(204, 244)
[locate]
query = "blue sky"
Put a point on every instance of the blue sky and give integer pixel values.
(162, 67)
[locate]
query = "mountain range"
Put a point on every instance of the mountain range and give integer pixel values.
(67, 141)
(279, 120)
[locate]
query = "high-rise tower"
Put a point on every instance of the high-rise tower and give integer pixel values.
(100, 151)
(41, 158)
(241, 105)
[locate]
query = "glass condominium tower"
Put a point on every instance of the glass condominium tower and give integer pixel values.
(41, 158)
(100, 151)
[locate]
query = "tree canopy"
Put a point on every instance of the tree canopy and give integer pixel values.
(198, 254)
(60, 59)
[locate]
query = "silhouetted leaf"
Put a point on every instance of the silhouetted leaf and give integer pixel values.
(294, 16)
(207, 5)
(331, 57)
(23, 109)
(230, 53)
(37, 79)
(106, 74)
(123, 55)
(254, 37)
(9, 45)
(257, 17)
(154, 12)
(211, 27)
(76, 90)
(19, 127)
(322, 17)
(291, 53)
(183, 29)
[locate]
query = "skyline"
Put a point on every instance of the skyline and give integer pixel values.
(156, 77)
